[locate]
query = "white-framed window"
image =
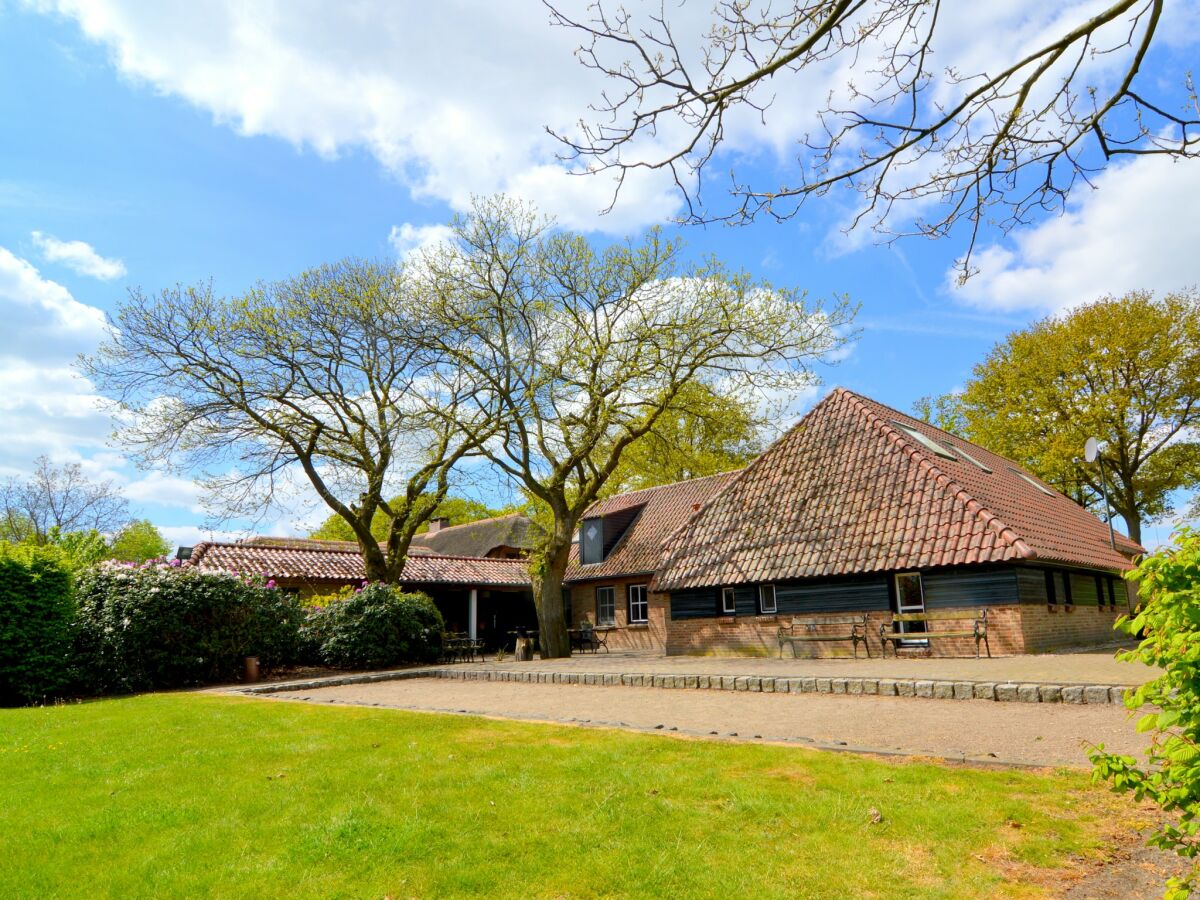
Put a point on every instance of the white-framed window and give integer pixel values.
(728, 601)
(766, 598)
(639, 609)
(606, 606)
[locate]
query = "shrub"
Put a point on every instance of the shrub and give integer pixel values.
(1169, 618)
(376, 627)
(160, 625)
(35, 623)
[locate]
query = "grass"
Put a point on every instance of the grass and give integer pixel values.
(186, 794)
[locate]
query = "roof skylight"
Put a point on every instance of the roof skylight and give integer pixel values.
(1037, 484)
(925, 441)
(969, 458)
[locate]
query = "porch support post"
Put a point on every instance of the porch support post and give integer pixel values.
(473, 614)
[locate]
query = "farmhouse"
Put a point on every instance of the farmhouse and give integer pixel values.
(858, 509)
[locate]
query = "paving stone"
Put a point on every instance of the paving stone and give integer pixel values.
(943, 690)
(612, 679)
(753, 683)
(923, 688)
(1117, 695)
(1095, 693)
(887, 687)
(824, 686)
(963, 690)
(691, 681)
(870, 685)
(728, 683)
(1006, 692)
(854, 686)
(837, 685)
(783, 685)
(807, 685)
(1029, 693)
(768, 685)
(702, 682)
(1072, 694)
(1050, 693)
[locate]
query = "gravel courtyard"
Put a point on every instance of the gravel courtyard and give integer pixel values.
(983, 731)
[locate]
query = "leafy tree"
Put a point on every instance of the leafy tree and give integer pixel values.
(58, 497)
(702, 432)
(1169, 620)
(138, 542)
(80, 549)
(892, 106)
(458, 510)
(1124, 370)
(585, 349)
(314, 378)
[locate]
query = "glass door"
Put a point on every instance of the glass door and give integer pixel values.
(910, 599)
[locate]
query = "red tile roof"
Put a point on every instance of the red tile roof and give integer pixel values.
(847, 491)
(663, 510)
(293, 559)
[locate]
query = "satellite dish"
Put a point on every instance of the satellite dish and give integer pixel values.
(1091, 449)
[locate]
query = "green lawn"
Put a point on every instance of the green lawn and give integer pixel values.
(183, 794)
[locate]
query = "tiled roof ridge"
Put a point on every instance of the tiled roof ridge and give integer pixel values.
(203, 547)
(942, 479)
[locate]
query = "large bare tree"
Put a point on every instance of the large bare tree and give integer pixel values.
(318, 376)
(584, 349)
(59, 498)
(883, 102)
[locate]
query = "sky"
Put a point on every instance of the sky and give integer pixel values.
(148, 145)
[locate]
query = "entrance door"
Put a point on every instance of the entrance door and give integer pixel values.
(910, 599)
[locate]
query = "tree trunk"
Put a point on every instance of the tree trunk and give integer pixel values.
(548, 598)
(1133, 524)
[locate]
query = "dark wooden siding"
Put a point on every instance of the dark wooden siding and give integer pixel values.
(1031, 581)
(1083, 588)
(964, 588)
(1031, 585)
(834, 595)
(698, 603)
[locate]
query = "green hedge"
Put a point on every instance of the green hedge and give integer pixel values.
(35, 623)
(376, 627)
(160, 626)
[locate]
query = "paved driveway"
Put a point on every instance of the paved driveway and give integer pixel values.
(1037, 734)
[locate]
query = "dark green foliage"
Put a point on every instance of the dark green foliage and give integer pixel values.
(159, 626)
(1169, 619)
(378, 626)
(35, 623)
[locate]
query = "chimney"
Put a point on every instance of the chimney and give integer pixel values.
(436, 525)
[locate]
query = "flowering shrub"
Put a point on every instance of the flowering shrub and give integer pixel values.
(1169, 619)
(35, 623)
(373, 627)
(159, 624)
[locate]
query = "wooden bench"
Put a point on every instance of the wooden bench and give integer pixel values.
(978, 629)
(803, 631)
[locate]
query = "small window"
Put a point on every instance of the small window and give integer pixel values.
(1067, 599)
(1112, 592)
(728, 601)
(606, 606)
(1037, 484)
(639, 609)
(925, 441)
(766, 598)
(1100, 598)
(969, 458)
(1051, 593)
(591, 541)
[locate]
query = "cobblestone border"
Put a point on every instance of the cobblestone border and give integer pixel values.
(1009, 691)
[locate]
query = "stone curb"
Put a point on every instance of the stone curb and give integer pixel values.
(1006, 692)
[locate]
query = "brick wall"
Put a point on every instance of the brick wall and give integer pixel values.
(758, 636)
(1048, 628)
(624, 636)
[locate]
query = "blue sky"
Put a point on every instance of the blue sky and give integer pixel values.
(182, 143)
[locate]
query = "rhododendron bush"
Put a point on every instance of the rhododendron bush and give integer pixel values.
(159, 624)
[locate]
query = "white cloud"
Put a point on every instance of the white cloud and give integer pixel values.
(166, 490)
(453, 100)
(1136, 230)
(78, 256)
(406, 239)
